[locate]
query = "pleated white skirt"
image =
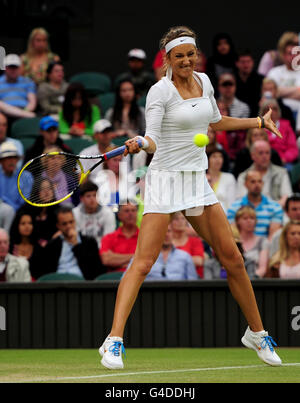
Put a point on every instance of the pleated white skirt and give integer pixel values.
(167, 192)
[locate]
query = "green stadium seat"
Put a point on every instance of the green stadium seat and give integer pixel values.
(107, 101)
(77, 144)
(27, 142)
(295, 174)
(59, 277)
(94, 83)
(142, 101)
(110, 276)
(25, 128)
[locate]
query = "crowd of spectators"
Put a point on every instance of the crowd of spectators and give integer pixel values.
(255, 175)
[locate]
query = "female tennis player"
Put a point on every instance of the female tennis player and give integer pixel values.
(179, 106)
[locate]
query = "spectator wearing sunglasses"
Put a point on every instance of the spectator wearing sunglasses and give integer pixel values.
(227, 90)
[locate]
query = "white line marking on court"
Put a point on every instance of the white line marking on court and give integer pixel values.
(175, 371)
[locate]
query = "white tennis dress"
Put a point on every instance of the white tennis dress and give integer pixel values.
(176, 179)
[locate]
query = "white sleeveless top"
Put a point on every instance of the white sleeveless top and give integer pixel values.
(172, 123)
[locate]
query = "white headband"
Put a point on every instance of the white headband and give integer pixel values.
(180, 41)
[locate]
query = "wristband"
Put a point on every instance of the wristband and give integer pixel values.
(145, 142)
(259, 122)
(263, 123)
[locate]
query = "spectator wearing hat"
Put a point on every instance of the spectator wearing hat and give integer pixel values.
(103, 135)
(137, 73)
(51, 94)
(92, 219)
(15, 90)
(49, 137)
(227, 89)
(9, 158)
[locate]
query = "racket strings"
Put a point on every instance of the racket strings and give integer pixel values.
(50, 178)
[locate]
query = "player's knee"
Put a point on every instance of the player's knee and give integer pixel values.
(234, 263)
(144, 266)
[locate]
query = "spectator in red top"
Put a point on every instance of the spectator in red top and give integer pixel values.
(118, 248)
(192, 245)
(287, 147)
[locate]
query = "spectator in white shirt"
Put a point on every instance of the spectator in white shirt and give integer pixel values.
(287, 77)
(92, 219)
(12, 269)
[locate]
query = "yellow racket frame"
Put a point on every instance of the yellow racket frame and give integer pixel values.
(82, 179)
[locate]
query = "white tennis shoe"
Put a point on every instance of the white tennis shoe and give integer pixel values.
(263, 344)
(111, 352)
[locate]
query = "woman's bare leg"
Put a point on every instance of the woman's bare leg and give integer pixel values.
(152, 234)
(214, 228)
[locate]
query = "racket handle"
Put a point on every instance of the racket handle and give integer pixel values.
(119, 151)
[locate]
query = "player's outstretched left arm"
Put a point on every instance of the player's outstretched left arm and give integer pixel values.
(228, 124)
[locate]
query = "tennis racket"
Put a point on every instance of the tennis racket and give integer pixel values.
(53, 178)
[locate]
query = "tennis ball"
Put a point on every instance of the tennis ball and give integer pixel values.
(201, 140)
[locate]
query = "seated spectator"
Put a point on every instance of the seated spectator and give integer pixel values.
(140, 196)
(232, 141)
(287, 77)
(172, 264)
(268, 212)
(55, 174)
(49, 136)
(216, 138)
(118, 248)
(51, 94)
(7, 214)
(4, 138)
(77, 116)
(292, 210)
(110, 181)
(44, 218)
(255, 248)
(286, 148)
(213, 269)
(38, 56)
(192, 245)
(158, 64)
(71, 252)
(248, 82)
(23, 242)
(15, 90)
(127, 118)
(271, 58)
(286, 262)
(277, 185)
(12, 269)
(243, 159)
(223, 58)
(92, 219)
(269, 90)
(9, 158)
(137, 73)
(227, 91)
(223, 184)
(103, 135)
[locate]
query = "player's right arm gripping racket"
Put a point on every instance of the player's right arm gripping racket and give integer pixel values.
(52, 178)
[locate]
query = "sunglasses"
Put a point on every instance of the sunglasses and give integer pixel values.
(227, 84)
